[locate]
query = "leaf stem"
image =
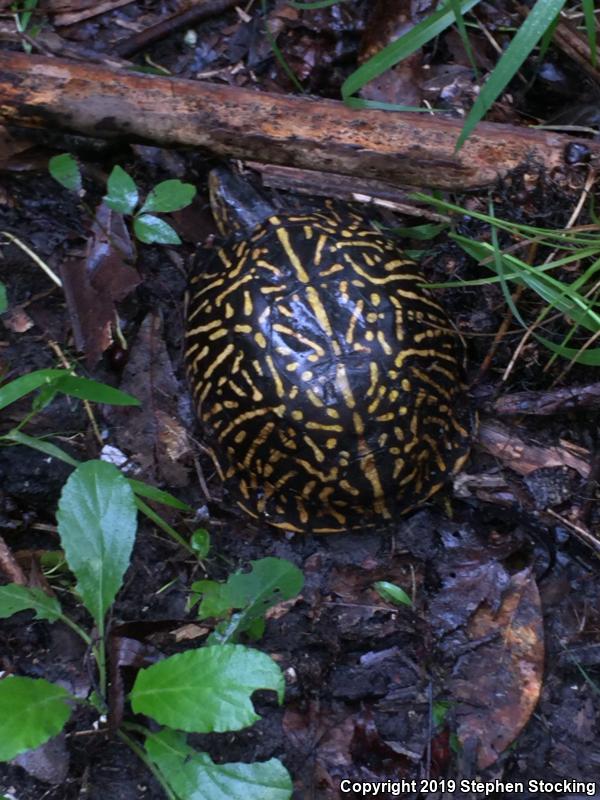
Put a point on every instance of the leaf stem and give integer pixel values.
(141, 754)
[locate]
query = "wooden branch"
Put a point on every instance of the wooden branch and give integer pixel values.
(403, 149)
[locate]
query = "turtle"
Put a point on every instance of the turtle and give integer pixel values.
(328, 381)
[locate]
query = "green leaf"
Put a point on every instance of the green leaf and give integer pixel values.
(60, 380)
(201, 691)
(200, 542)
(3, 298)
(153, 230)
(158, 495)
(15, 598)
(65, 170)
(86, 389)
(97, 521)
(531, 31)
(270, 581)
(122, 194)
(195, 776)
(309, 6)
(422, 33)
(31, 712)
(589, 14)
(392, 593)
(170, 195)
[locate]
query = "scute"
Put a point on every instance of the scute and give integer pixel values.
(329, 385)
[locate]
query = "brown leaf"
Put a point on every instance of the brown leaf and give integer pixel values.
(153, 434)
(497, 684)
(94, 281)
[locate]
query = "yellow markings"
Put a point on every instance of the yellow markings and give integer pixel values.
(239, 420)
(314, 399)
(292, 367)
(443, 371)
(358, 424)
(369, 336)
(332, 270)
(215, 323)
(258, 441)
(302, 512)
(389, 266)
(343, 385)
(307, 375)
(202, 354)
(223, 256)
(331, 444)
(356, 315)
(284, 238)
(426, 379)
(257, 367)
(251, 513)
(297, 414)
(425, 355)
(240, 436)
(333, 413)
(383, 342)
(347, 487)
(374, 373)
(372, 317)
(344, 291)
(242, 328)
(264, 316)
(308, 488)
(372, 408)
(260, 339)
(318, 426)
(218, 334)
(248, 305)
(219, 360)
(399, 433)
(399, 464)
(387, 417)
(294, 391)
(382, 439)
(279, 328)
(394, 395)
(317, 452)
(405, 384)
(308, 231)
(324, 477)
(379, 281)
(279, 390)
(434, 449)
(269, 267)
(232, 288)
(236, 363)
(204, 394)
(267, 471)
(231, 404)
(321, 315)
(360, 244)
(319, 249)
(285, 311)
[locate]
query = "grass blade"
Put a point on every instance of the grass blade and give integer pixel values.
(525, 39)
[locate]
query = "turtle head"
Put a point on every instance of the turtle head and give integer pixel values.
(236, 205)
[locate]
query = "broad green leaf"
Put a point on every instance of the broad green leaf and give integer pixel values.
(206, 690)
(15, 598)
(422, 33)
(270, 581)
(170, 195)
(86, 389)
(65, 170)
(97, 525)
(122, 193)
(31, 712)
(392, 593)
(589, 14)
(525, 39)
(200, 542)
(158, 495)
(195, 776)
(19, 387)
(60, 380)
(153, 230)
(3, 298)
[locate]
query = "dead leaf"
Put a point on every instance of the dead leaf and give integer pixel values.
(95, 280)
(153, 435)
(497, 684)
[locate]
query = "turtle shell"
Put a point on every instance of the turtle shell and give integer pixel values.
(328, 382)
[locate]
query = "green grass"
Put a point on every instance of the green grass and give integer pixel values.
(577, 301)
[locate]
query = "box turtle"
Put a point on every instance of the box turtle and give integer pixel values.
(328, 382)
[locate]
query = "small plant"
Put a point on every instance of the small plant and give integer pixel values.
(392, 593)
(23, 13)
(123, 197)
(198, 691)
(251, 594)
(50, 382)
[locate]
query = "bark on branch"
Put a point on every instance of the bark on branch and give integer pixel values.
(402, 149)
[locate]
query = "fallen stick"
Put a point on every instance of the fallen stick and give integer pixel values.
(401, 148)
